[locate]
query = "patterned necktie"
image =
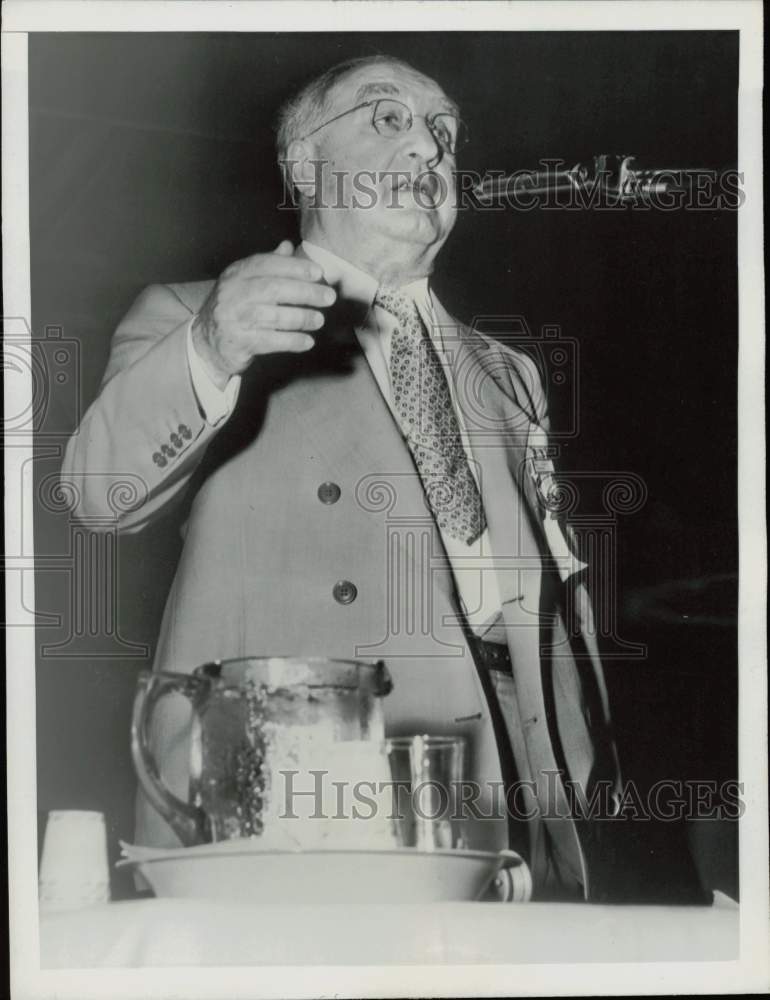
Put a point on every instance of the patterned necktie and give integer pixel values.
(424, 407)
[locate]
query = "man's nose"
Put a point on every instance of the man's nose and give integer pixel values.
(422, 144)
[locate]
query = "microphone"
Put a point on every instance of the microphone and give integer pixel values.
(619, 178)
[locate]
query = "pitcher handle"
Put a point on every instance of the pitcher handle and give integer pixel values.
(188, 822)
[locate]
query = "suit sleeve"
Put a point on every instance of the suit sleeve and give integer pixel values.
(142, 438)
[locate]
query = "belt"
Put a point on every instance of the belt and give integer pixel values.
(491, 655)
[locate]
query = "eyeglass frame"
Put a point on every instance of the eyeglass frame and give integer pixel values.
(428, 119)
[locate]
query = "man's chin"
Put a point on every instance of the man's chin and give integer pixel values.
(412, 224)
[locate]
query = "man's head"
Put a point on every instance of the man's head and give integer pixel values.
(369, 147)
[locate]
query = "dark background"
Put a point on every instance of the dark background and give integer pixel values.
(151, 159)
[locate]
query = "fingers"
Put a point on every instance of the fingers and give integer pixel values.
(269, 317)
(267, 303)
(290, 292)
(276, 265)
(273, 342)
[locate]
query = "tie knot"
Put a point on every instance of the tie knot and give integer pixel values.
(398, 304)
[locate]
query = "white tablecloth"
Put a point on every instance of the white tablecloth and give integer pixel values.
(166, 932)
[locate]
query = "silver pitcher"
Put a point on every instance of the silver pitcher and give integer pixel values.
(251, 718)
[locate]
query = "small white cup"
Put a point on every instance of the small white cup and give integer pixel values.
(73, 870)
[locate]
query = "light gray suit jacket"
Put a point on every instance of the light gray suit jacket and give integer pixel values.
(262, 553)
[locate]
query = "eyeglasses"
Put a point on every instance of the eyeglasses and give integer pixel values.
(391, 118)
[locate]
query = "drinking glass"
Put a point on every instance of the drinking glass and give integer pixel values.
(428, 772)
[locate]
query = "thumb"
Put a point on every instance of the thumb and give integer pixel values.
(285, 248)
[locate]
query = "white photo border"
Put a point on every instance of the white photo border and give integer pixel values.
(747, 974)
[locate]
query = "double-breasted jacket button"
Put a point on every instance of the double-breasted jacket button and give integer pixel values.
(344, 592)
(167, 450)
(159, 460)
(329, 492)
(176, 440)
(185, 431)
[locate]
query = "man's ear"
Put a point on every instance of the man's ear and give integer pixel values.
(303, 168)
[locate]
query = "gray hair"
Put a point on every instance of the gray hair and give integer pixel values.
(306, 110)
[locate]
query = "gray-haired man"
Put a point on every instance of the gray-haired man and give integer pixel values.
(367, 474)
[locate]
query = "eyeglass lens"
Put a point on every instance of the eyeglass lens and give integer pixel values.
(392, 117)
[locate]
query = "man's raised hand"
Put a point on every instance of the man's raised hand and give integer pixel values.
(263, 304)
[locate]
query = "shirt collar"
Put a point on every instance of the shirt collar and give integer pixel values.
(356, 285)
(419, 292)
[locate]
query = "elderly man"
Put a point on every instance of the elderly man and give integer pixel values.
(368, 477)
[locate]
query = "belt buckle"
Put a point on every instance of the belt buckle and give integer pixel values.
(495, 655)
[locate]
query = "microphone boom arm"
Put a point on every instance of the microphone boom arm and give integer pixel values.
(618, 177)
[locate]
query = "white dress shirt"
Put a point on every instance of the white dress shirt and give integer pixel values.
(216, 404)
(478, 587)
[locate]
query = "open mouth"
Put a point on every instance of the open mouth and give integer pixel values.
(425, 188)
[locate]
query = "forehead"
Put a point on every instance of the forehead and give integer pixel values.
(390, 80)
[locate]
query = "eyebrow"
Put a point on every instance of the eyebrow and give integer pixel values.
(371, 88)
(375, 88)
